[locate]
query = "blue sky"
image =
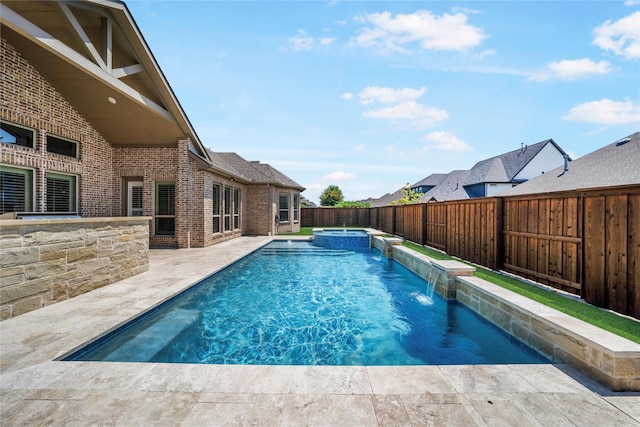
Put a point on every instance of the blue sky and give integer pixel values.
(371, 95)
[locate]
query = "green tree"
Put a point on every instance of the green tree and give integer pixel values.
(353, 204)
(331, 196)
(409, 197)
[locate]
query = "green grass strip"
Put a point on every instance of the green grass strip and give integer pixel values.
(609, 321)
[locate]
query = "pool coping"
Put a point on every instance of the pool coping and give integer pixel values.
(608, 358)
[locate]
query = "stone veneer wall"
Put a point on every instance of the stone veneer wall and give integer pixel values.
(46, 261)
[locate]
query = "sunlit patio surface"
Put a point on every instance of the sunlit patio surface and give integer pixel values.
(38, 390)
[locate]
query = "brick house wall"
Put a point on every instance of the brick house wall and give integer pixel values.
(27, 99)
(290, 226)
(257, 219)
(102, 171)
(146, 164)
(202, 202)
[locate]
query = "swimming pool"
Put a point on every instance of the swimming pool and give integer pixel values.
(293, 303)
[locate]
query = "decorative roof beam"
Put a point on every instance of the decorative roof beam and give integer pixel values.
(84, 39)
(119, 73)
(46, 41)
(106, 31)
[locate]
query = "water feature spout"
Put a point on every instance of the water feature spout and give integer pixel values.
(435, 274)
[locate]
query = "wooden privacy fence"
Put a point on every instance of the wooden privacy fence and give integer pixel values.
(584, 242)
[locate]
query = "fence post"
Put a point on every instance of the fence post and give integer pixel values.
(498, 251)
(423, 219)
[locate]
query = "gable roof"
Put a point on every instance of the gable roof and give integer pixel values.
(504, 167)
(612, 165)
(121, 91)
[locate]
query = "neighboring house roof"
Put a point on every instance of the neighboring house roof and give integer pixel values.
(450, 188)
(505, 167)
(430, 181)
(251, 171)
(613, 165)
(385, 200)
(121, 91)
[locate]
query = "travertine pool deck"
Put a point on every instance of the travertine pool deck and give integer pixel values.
(38, 390)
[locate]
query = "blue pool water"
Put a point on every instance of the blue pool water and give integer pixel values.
(293, 303)
(341, 239)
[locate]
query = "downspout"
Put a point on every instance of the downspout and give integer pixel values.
(566, 164)
(269, 210)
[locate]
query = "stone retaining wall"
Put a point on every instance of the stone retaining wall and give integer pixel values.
(610, 359)
(46, 261)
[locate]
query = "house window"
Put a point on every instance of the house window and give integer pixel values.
(134, 198)
(62, 146)
(165, 208)
(283, 211)
(16, 190)
(236, 208)
(61, 193)
(17, 135)
(227, 208)
(216, 208)
(296, 207)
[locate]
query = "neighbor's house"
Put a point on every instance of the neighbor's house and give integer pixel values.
(614, 165)
(90, 126)
(488, 177)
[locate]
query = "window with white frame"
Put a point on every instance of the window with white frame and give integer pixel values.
(217, 207)
(135, 198)
(165, 208)
(283, 210)
(16, 190)
(236, 208)
(227, 208)
(17, 135)
(62, 146)
(296, 207)
(61, 193)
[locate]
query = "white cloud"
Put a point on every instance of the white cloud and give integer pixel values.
(484, 53)
(325, 41)
(605, 112)
(457, 9)
(428, 31)
(622, 36)
(631, 2)
(416, 115)
(447, 141)
(348, 96)
(338, 176)
(387, 95)
(301, 41)
(358, 148)
(571, 69)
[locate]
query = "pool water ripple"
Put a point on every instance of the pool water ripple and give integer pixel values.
(317, 307)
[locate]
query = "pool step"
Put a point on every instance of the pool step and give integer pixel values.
(155, 338)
